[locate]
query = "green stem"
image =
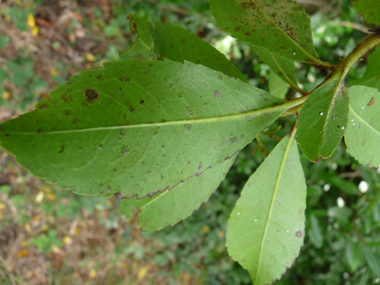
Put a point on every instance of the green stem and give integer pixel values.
(345, 65)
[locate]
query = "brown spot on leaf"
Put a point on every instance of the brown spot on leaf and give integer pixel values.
(100, 77)
(124, 79)
(74, 121)
(91, 95)
(184, 41)
(248, 5)
(43, 106)
(299, 234)
(66, 112)
(371, 102)
(216, 94)
(129, 106)
(65, 97)
(62, 149)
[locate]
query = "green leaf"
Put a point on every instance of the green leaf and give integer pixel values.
(177, 44)
(277, 86)
(280, 65)
(280, 26)
(315, 233)
(369, 9)
(353, 255)
(143, 27)
(266, 228)
(371, 259)
(138, 127)
(371, 77)
(139, 50)
(362, 136)
(170, 207)
(322, 120)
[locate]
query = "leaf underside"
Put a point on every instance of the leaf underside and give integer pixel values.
(369, 9)
(266, 228)
(322, 120)
(137, 127)
(170, 207)
(280, 26)
(362, 136)
(277, 86)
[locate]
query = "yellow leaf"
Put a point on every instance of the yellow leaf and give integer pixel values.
(51, 196)
(31, 22)
(40, 197)
(66, 240)
(2, 206)
(5, 95)
(35, 31)
(143, 271)
(186, 278)
(53, 72)
(92, 274)
(90, 57)
(206, 229)
(23, 253)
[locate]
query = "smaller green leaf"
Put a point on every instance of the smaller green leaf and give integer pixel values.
(371, 77)
(266, 228)
(371, 259)
(368, 9)
(281, 66)
(353, 255)
(322, 120)
(315, 233)
(143, 27)
(362, 136)
(177, 44)
(280, 26)
(170, 207)
(277, 86)
(139, 50)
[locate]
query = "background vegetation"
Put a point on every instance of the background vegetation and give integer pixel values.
(49, 236)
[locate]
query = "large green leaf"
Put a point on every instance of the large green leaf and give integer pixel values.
(371, 77)
(280, 26)
(369, 9)
(170, 207)
(362, 136)
(266, 228)
(177, 44)
(280, 65)
(322, 120)
(138, 127)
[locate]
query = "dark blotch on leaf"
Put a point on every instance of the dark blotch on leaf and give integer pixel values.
(62, 149)
(100, 77)
(299, 234)
(91, 95)
(65, 97)
(184, 41)
(43, 106)
(142, 102)
(125, 79)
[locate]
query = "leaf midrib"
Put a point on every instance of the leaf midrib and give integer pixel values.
(365, 122)
(281, 107)
(283, 161)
